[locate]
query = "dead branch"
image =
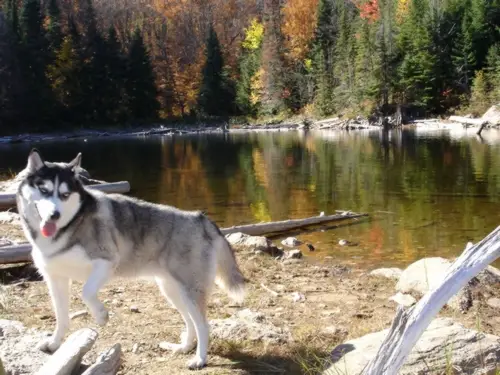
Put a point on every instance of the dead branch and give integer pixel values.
(408, 325)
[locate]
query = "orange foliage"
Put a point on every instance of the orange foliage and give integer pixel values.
(369, 10)
(299, 22)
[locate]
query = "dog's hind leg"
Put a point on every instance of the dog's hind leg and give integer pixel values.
(59, 294)
(100, 274)
(196, 323)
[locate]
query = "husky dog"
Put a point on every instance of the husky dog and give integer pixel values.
(85, 235)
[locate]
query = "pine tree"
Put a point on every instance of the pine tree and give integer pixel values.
(54, 31)
(323, 52)
(345, 57)
(214, 98)
(12, 17)
(273, 77)
(464, 59)
(416, 70)
(140, 85)
(116, 74)
(33, 60)
(64, 75)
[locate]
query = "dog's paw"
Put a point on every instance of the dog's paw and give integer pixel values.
(101, 316)
(196, 363)
(48, 345)
(176, 348)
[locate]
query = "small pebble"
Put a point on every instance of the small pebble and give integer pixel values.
(135, 348)
(134, 309)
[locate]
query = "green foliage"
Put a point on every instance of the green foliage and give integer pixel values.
(216, 93)
(140, 82)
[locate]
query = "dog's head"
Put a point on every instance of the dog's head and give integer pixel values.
(54, 189)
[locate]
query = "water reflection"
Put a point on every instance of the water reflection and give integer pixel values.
(427, 193)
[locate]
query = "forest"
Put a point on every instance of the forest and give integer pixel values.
(68, 63)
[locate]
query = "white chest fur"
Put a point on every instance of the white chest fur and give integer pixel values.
(73, 263)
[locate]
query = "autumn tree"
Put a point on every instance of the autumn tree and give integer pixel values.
(248, 97)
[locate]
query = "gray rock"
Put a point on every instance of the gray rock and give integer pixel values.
(470, 352)
(243, 242)
(298, 297)
(390, 273)
(18, 348)
(424, 274)
(492, 115)
(293, 254)
(291, 242)
(403, 299)
(248, 325)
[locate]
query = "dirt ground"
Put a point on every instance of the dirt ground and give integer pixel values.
(340, 303)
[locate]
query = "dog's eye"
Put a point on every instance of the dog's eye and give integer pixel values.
(65, 195)
(43, 190)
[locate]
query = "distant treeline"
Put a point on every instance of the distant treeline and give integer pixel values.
(76, 62)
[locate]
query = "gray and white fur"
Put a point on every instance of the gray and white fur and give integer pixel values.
(85, 235)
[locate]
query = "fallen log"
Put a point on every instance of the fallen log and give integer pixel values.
(69, 355)
(468, 121)
(408, 325)
(286, 225)
(21, 253)
(9, 199)
(107, 363)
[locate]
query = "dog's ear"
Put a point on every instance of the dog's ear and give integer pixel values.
(76, 162)
(35, 161)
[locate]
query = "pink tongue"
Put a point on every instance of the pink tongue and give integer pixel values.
(48, 229)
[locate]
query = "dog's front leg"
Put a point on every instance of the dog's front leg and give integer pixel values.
(100, 274)
(59, 294)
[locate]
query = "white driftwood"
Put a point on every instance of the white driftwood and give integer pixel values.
(68, 356)
(22, 253)
(286, 225)
(9, 199)
(468, 121)
(107, 363)
(408, 325)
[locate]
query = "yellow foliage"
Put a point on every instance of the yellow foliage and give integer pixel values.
(253, 35)
(402, 10)
(257, 87)
(299, 22)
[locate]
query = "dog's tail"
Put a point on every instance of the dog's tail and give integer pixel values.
(228, 275)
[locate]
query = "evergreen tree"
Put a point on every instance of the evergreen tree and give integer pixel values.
(323, 52)
(54, 31)
(140, 85)
(416, 69)
(33, 61)
(116, 75)
(464, 59)
(214, 97)
(273, 71)
(12, 17)
(64, 75)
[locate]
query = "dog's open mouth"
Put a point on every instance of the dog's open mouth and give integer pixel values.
(48, 228)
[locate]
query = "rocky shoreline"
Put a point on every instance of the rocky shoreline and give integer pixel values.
(296, 305)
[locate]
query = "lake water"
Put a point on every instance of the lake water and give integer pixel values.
(427, 194)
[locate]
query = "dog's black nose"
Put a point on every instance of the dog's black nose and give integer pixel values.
(56, 215)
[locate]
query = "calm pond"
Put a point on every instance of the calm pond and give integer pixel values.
(427, 193)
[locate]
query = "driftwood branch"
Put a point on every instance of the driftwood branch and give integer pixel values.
(107, 363)
(70, 354)
(9, 199)
(408, 325)
(286, 225)
(22, 252)
(469, 121)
